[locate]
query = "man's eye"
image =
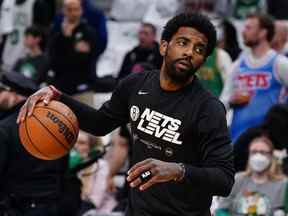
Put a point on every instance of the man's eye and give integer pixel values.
(200, 50)
(181, 43)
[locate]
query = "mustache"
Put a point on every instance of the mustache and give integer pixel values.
(186, 61)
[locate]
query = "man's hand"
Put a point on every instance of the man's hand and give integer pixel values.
(160, 172)
(45, 94)
(68, 28)
(240, 98)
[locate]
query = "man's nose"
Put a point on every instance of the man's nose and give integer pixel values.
(189, 51)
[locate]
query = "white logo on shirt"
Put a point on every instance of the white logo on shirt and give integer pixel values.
(142, 92)
(159, 125)
(134, 113)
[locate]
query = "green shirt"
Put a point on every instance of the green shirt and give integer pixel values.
(210, 76)
(244, 7)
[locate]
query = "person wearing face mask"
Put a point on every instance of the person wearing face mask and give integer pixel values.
(261, 188)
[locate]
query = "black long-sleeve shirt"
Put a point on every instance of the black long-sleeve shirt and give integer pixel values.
(187, 126)
(22, 175)
(73, 68)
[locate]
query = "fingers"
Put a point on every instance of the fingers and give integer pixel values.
(27, 109)
(139, 164)
(22, 114)
(47, 99)
(45, 94)
(149, 183)
(142, 184)
(31, 103)
(139, 169)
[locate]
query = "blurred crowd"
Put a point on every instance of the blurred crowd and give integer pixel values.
(85, 47)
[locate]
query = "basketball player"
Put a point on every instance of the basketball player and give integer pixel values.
(181, 152)
(28, 186)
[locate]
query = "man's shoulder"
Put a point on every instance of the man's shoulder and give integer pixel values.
(140, 76)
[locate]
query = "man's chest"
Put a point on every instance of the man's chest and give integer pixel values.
(162, 127)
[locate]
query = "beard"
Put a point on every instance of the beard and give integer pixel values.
(251, 43)
(180, 76)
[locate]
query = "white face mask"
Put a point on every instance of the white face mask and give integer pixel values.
(259, 162)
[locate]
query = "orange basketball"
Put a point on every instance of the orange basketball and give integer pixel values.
(50, 132)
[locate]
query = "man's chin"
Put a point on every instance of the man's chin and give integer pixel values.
(250, 44)
(181, 76)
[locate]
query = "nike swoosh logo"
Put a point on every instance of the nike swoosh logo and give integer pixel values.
(142, 93)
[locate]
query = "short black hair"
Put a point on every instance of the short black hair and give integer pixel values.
(37, 31)
(195, 20)
(265, 22)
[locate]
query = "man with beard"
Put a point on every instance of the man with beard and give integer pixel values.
(145, 55)
(181, 151)
(259, 77)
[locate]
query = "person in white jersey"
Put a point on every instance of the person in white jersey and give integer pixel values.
(258, 78)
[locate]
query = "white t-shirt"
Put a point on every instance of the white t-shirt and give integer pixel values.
(14, 45)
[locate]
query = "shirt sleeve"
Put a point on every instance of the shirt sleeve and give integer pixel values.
(227, 202)
(228, 85)
(216, 174)
(111, 115)
(224, 63)
(281, 70)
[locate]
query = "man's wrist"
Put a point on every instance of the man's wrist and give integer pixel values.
(56, 93)
(182, 171)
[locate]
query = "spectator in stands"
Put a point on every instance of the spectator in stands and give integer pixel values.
(28, 185)
(93, 176)
(72, 54)
(96, 19)
(23, 14)
(279, 42)
(209, 7)
(145, 55)
(84, 149)
(261, 189)
(229, 39)
(258, 79)
(35, 64)
(116, 156)
(214, 71)
(241, 8)
(275, 126)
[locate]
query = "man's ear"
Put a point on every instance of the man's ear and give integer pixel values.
(263, 33)
(163, 47)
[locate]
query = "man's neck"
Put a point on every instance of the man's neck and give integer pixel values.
(147, 46)
(72, 23)
(261, 49)
(167, 84)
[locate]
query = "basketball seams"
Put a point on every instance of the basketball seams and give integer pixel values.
(49, 108)
(35, 146)
(61, 144)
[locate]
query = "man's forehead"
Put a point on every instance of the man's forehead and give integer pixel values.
(72, 3)
(191, 33)
(252, 21)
